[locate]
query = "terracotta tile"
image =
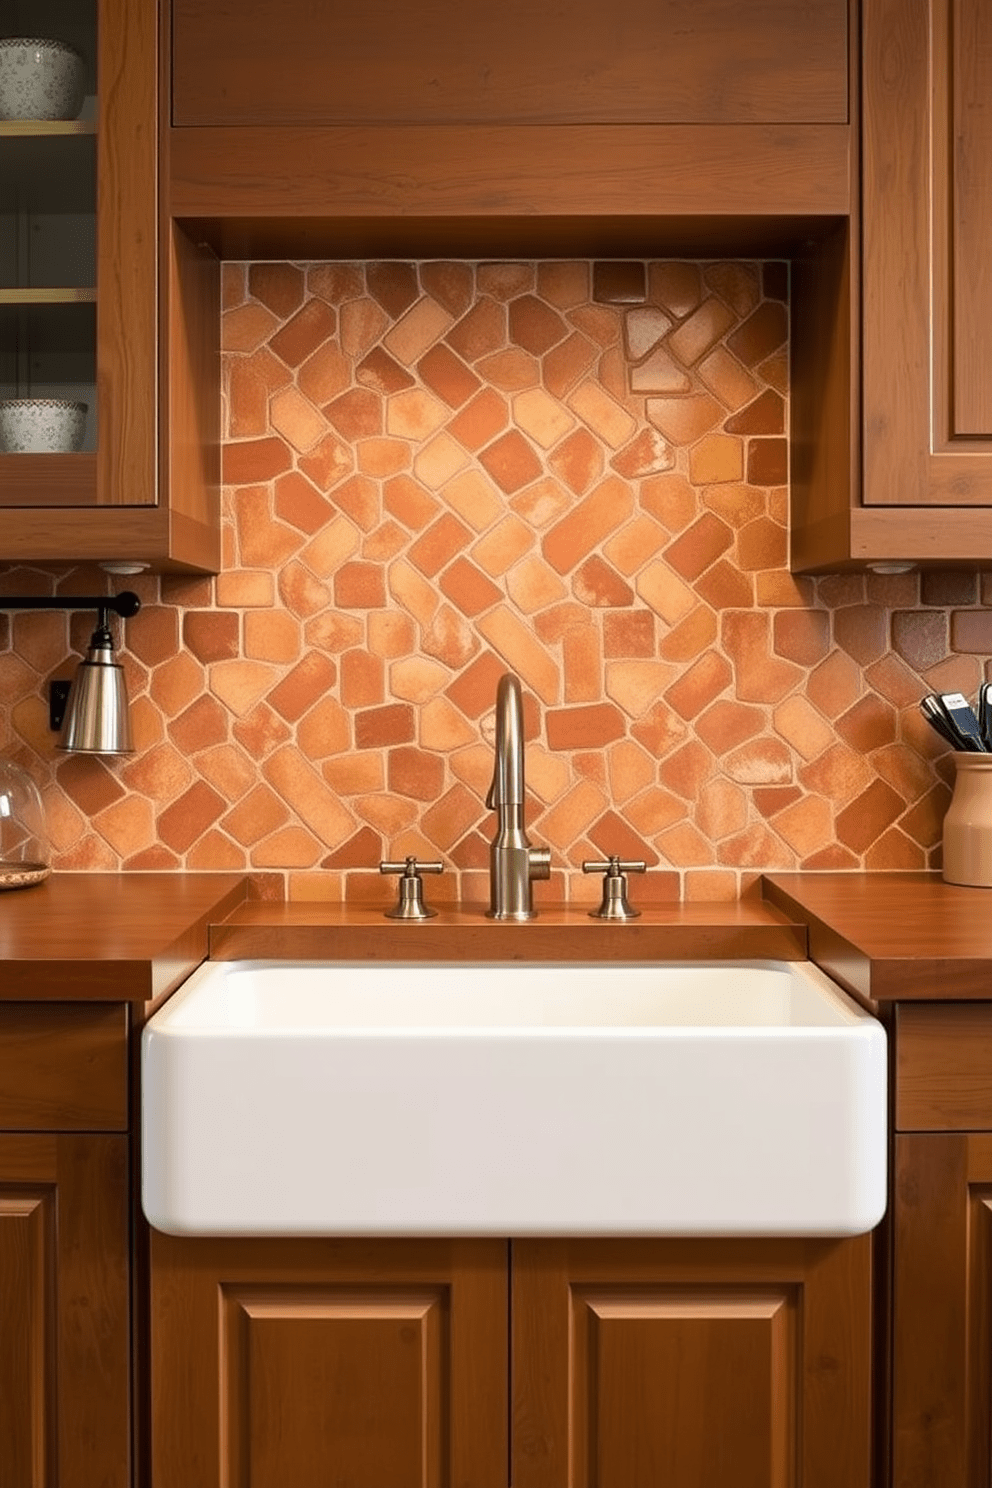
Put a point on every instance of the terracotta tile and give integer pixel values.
(867, 817)
(583, 665)
(700, 331)
(643, 328)
(767, 462)
(335, 282)
(505, 279)
(157, 859)
(446, 538)
(251, 460)
(354, 774)
(391, 634)
(362, 680)
(700, 685)
(426, 322)
(333, 632)
(292, 847)
(442, 727)
(763, 332)
(262, 542)
(834, 685)
(260, 731)
(414, 415)
(511, 462)
(726, 725)
(215, 853)
(675, 285)
(837, 590)
(299, 503)
(247, 401)
(803, 727)
(162, 774)
(333, 545)
(253, 818)
(358, 497)
(382, 373)
(570, 817)
(971, 631)
(451, 817)
(637, 685)
(710, 886)
(325, 730)
(245, 327)
(735, 503)
(541, 503)
(604, 415)
(299, 337)
(665, 592)
(541, 417)
(894, 850)
(387, 815)
(671, 500)
(415, 679)
(533, 586)
(412, 591)
(513, 640)
(584, 727)
(473, 692)
(893, 679)
(567, 363)
(737, 283)
(591, 766)
(699, 546)
(578, 461)
(511, 370)
(956, 674)
(177, 682)
(722, 810)
(360, 586)
(198, 808)
(780, 590)
(759, 676)
(618, 283)
(647, 455)
(279, 286)
(554, 624)
(471, 495)
(588, 524)
(409, 502)
(947, 587)
(211, 635)
(327, 463)
(637, 542)
(563, 284)
(716, 458)
(691, 637)
(89, 854)
(362, 324)
(601, 323)
(534, 325)
(925, 822)
(762, 544)
(654, 810)
(241, 684)
(613, 836)
(774, 798)
(481, 420)
(807, 826)
(869, 725)
(894, 591)
(629, 634)
(357, 413)
(304, 791)
(376, 728)
(435, 463)
(684, 846)
(766, 415)
(761, 761)
(481, 331)
(363, 850)
(839, 774)
(802, 636)
(414, 773)
(727, 380)
(227, 769)
(233, 284)
(862, 631)
(450, 282)
(474, 768)
(468, 588)
(203, 723)
(394, 285)
(597, 586)
(686, 418)
(631, 770)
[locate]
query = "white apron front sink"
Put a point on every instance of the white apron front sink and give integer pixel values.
(287, 1098)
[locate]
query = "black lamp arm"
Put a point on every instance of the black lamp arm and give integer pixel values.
(125, 604)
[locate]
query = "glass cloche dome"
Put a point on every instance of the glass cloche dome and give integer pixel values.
(24, 850)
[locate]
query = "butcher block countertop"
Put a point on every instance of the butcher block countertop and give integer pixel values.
(893, 936)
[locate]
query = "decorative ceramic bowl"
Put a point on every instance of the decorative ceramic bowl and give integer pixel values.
(43, 426)
(40, 79)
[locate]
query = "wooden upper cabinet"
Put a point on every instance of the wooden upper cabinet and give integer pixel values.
(263, 62)
(927, 202)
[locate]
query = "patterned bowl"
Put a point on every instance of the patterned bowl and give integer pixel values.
(40, 79)
(46, 426)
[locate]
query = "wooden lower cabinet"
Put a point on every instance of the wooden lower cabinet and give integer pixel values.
(64, 1311)
(616, 1363)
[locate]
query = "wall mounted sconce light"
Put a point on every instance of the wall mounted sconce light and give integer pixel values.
(95, 703)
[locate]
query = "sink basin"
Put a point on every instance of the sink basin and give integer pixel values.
(385, 1099)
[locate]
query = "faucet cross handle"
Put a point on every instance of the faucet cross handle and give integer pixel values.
(410, 905)
(615, 904)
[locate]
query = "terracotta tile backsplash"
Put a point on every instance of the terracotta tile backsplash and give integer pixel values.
(438, 471)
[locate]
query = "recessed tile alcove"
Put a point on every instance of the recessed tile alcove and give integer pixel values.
(435, 471)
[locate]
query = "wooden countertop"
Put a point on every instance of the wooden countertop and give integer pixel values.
(109, 937)
(748, 930)
(893, 936)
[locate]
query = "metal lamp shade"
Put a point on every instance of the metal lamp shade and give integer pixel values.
(96, 718)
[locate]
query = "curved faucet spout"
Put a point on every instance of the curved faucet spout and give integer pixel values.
(513, 863)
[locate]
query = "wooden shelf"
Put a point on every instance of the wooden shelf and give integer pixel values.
(46, 296)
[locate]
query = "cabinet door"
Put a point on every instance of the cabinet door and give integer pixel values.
(64, 1329)
(338, 1363)
(927, 220)
(942, 1294)
(696, 1363)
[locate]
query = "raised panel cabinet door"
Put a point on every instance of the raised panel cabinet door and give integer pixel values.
(942, 1294)
(264, 62)
(328, 1364)
(927, 222)
(64, 1321)
(697, 1363)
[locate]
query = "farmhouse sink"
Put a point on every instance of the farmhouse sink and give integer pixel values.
(512, 1099)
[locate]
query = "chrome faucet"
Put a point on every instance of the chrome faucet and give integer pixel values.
(513, 863)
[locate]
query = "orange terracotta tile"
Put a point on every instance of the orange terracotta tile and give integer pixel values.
(241, 684)
(376, 728)
(299, 503)
(839, 774)
(443, 728)
(363, 850)
(869, 725)
(436, 462)
(533, 586)
(279, 286)
(514, 641)
(535, 325)
(636, 685)
(615, 282)
(360, 586)
(603, 414)
(355, 774)
(327, 462)
(414, 773)
(446, 538)
(211, 635)
(333, 632)
(245, 589)
(417, 330)
(384, 542)
(474, 768)
(333, 545)
(304, 791)
(197, 809)
(698, 687)
(570, 817)
(504, 280)
(762, 544)
(803, 727)
(834, 685)
(584, 727)
(391, 633)
(245, 327)
(89, 854)
(363, 682)
(763, 332)
(254, 817)
(262, 542)
(175, 683)
(894, 850)
(203, 723)
(637, 542)
(451, 817)
(415, 679)
(325, 374)
(481, 331)
(409, 502)
(541, 417)
(300, 336)
(722, 809)
(653, 811)
(894, 680)
(759, 676)
(227, 769)
(700, 331)
(471, 495)
(583, 665)
(358, 498)
(480, 420)
(161, 774)
(450, 282)
(868, 816)
(511, 461)
(415, 414)
(567, 364)
(260, 731)
(588, 524)
(540, 504)
(728, 380)
(251, 460)
(362, 323)
(802, 636)
(716, 458)
(468, 588)
(292, 847)
(233, 284)
(335, 282)
(411, 590)
(767, 462)
(324, 731)
(677, 286)
(394, 285)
